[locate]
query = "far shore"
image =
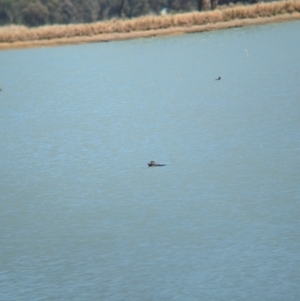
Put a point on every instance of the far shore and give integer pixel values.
(15, 37)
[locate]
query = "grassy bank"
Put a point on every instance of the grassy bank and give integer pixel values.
(149, 26)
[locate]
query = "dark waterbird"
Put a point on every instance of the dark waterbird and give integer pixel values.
(152, 163)
(219, 78)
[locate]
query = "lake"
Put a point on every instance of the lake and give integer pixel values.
(83, 217)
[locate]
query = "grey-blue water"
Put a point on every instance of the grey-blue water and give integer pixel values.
(82, 216)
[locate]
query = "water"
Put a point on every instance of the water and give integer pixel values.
(82, 217)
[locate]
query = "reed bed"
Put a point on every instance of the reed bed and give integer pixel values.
(151, 23)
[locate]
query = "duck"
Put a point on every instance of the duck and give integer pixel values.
(219, 78)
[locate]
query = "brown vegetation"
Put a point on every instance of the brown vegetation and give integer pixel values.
(21, 36)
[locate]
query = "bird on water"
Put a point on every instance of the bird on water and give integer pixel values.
(219, 78)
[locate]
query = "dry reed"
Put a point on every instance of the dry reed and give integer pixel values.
(150, 24)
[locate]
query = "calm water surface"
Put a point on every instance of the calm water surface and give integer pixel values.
(82, 217)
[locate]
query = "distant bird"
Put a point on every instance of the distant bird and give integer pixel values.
(219, 78)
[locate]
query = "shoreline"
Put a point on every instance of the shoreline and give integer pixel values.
(148, 33)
